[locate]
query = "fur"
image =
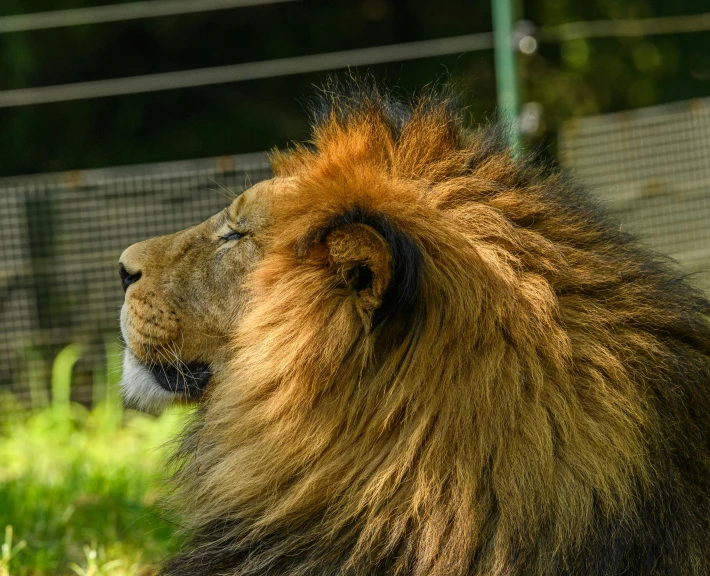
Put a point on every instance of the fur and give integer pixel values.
(478, 374)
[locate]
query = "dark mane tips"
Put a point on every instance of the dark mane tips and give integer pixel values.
(347, 101)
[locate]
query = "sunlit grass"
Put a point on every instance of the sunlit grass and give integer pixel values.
(82, 492)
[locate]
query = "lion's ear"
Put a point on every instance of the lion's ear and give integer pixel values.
(378, 262)
(362, 258)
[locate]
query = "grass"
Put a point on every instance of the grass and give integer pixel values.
(79, 492)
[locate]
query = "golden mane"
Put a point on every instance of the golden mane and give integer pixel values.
(531, 396)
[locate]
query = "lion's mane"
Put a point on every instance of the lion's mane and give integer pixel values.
(532, 397)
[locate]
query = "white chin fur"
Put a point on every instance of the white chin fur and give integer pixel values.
(140, 389)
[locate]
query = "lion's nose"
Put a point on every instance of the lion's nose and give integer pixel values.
(128, 278)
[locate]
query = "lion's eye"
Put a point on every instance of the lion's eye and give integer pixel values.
(232, 235)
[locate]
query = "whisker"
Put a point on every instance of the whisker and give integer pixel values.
(230, 194)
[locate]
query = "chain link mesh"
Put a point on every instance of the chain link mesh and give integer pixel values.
(652, 169)
(60, 239)
(61, 234)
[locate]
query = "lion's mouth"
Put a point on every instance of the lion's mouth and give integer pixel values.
(189, 380)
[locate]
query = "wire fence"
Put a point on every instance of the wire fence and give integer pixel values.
(60, 239)
(652, 168)
(61, 234)
(119, 13)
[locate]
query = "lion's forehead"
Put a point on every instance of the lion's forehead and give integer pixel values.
(255, 204)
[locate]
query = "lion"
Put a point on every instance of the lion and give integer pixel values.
(413, 353)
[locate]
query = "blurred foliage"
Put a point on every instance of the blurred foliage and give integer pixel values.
(597, 75)
(573, 78)
(82, 494)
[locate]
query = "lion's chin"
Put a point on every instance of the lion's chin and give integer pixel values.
(153, 388)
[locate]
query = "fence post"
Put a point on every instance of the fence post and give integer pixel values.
(506, 70)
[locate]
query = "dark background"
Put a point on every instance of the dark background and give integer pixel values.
(573, 78)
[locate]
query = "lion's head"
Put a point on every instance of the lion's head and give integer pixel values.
(416, 355)
(184, 296)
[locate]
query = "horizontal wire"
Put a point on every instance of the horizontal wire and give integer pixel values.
(118, 12)
(625, 28)
(246, 71)
(332, 60)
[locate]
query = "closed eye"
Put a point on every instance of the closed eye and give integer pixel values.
(232, 235)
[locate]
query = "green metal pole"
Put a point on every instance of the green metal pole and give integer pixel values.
(506, 69)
